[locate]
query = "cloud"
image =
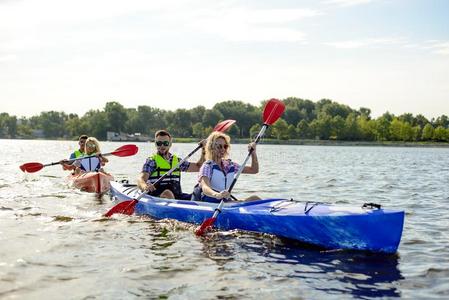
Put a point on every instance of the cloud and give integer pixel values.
(438, 47)
(347, 2)
(240, 24)
(365, 43)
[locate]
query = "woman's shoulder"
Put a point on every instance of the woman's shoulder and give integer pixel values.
(208, 162)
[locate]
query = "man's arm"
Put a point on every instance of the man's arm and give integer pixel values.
(195, 167)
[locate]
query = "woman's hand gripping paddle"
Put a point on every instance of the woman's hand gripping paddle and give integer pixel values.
(127, 207)
(125, 150)
(272, 112)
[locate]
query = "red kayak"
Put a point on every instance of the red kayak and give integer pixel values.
(92, 182)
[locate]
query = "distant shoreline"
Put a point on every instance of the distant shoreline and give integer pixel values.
(296, 142)
(329, 143)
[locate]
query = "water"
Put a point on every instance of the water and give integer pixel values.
(55, 244)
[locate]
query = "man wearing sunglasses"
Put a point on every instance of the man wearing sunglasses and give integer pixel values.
(160, 163)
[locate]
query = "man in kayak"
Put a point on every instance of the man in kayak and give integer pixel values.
(218, 171)
(160, 163)
(78, 153)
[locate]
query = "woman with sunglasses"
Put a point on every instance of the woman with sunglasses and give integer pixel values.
(160, 163)
(96, 163)
(218, 171)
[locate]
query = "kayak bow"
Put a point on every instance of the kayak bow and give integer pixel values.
(91, 182)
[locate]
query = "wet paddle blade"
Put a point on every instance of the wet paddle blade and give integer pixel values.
(124, 208)
(31, 167)
(206, 226)
(224, 125)
(272, 111)
(126, 150)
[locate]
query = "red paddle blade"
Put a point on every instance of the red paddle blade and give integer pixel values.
(224, 125)
(125, 150)
(125, 208)
(31, 167)
(207, 224)
(272, 111)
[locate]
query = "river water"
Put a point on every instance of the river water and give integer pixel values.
(55, 244)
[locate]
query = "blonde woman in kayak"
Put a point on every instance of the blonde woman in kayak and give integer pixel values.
(96, 163)
(218, 171)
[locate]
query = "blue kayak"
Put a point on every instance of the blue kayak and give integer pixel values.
(329, 226)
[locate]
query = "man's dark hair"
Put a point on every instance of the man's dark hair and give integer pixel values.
(162, 133)
(83, 137)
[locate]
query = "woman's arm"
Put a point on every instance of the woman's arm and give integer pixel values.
(208, 191)
(254, 168)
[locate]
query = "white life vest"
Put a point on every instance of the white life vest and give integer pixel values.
(90, 164)
(220, 181)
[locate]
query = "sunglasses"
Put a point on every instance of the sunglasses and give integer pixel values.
(91, 145)
(221, 146)
(160, 143)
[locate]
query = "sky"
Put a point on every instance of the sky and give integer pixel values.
(73, 56)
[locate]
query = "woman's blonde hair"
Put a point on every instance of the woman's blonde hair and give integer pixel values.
(211, 149)
(95, 141)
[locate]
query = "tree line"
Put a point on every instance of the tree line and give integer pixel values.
(303, 119)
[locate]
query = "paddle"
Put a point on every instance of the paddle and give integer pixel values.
(125, 150)
(127, 207)
(272, 111)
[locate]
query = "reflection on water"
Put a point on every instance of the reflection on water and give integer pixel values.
(361, 274)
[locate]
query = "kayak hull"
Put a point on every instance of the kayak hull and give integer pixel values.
(92, 182)
(328, 226)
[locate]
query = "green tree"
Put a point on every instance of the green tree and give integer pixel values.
(292, 115)
(303, 130)
(383, 128)
(245, 114)
(52, 123)
(351, 129)
(179, 123)
(197, 114)
(442, 121)
(365, 112)
(367, 128)
(291, 131)
(116, 116)
(322, 126)
(254, 130)
(417, 132)
(338, 127)
(95, 123)
(396, 129)
(198, 130)
(211, 117)
(427, 132)
(73, 126)
(280, 129)
(441, 134)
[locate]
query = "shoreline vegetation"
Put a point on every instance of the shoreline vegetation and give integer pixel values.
(292, 142)
(304, 122)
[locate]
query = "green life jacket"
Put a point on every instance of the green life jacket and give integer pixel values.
(78, 153)
(172, 181)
